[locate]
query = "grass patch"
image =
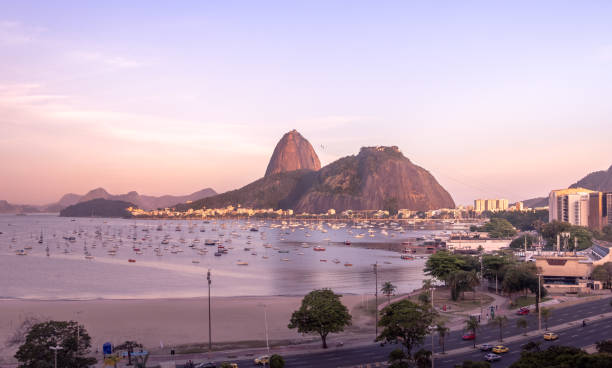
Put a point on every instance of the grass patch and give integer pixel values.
(198, 348)
(523, 301)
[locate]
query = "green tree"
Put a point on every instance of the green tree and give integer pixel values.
(473, 364)
(422, 358)
(129, 347)
(532, 346)
(604, 346)
(493, 266)
(405, 322)
(35, 352)
(500, 321)
(424, 298)
(398, 359)
(472, 325)
(601, 274)
(519, 243)
(277, 361)
(562, 356)
(442, 265)
(522, 324)
(546, 313)
(442, 332)
(498, 228)
(321, 312)
(462, 281)
(388, 289)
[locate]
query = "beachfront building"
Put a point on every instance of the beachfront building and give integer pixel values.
(474, 241)
(569, 205)
(493, 205)
(570, 272)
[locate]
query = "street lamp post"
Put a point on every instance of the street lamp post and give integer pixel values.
(432, 331)
(376, 295)
(209, 314)
(55, 349)
(539, 301)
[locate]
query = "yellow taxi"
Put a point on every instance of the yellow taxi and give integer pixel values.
(550, 336)
(262, 360)
(500, 349)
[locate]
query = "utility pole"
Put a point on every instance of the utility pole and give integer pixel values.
(209, 315)
(432, 331)
(376, 294)
(55, 349)
(539, 301)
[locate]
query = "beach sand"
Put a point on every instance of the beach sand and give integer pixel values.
(173, 322)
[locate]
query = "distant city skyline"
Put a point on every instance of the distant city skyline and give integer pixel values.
(495, 100)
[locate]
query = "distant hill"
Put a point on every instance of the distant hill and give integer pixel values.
(141, 201)
(376, 178)
(599, 180)
(6, 207)
(98, 207)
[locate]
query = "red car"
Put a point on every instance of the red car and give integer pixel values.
(469, 336)
(522, 311)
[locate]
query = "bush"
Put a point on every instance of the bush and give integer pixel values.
(277, 361)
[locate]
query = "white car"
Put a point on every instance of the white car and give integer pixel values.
(492, 357)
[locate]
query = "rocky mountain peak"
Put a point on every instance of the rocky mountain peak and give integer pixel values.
(293, 152)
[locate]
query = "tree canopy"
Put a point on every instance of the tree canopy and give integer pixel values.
(582, 235)
(562, 356)
(35, 352)
(497, 227)
(405, 322)
(321, 312)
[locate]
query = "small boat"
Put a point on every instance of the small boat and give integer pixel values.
(347, 242)
(195, 261)
(242, 263)
(407, 257)
(218, 254)
(131, 260)
(323, 260)
(285, 259)
(21, 252)
(283, 251)
(89, 257)
(318, 249)
(336, 261)
(348, 264)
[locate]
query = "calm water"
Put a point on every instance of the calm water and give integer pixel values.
(281, 259)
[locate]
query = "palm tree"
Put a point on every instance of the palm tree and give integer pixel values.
(442, 332)
(472, 324)
(428, 284)
(522, 323)
(501, 322)
(546, 313)
(129, 346)
(388, 289)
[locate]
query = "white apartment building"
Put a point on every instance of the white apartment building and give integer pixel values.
(569, 205)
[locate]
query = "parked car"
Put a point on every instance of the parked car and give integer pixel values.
(486, 347)
(522, 311)
(550, 336)
(492, 357)
(469, 336)
(205, 365)
(264, 359)
(500, 349)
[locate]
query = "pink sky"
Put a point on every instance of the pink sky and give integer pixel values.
(171, 100)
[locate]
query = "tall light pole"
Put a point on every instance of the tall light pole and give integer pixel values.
(78, 331)
(55, 349)
(432, 331)
(539, 301)
(376, 295)
(209, 315)
(266, 326)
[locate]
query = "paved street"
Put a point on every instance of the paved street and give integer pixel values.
(373, 353)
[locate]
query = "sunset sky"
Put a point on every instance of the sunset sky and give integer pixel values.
(495, 101)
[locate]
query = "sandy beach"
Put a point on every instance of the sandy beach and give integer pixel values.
(172, 322)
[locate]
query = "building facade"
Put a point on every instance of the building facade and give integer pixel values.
(481, 205)
(569, 205)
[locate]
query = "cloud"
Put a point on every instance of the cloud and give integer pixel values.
(16, 33)
(118, 62)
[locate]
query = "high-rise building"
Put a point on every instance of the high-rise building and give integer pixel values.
(481, 205)
(596, 210)
(569, 205)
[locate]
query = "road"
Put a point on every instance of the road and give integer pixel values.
(374, 353)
